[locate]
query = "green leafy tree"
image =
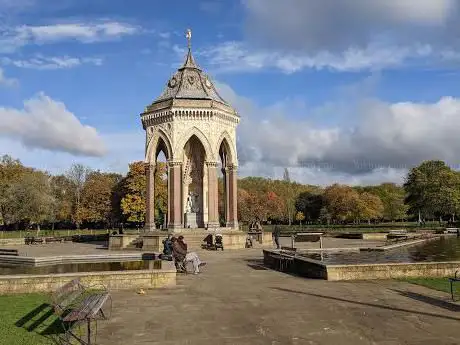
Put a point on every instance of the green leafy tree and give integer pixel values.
(432, 189)
(310, 204)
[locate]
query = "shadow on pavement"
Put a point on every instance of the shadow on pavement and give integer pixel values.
(429, 300)
(374, 305)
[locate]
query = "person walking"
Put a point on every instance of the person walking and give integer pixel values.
(276, 236)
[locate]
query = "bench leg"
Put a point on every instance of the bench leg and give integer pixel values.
(452, 290)
(89, 331)
(81, 338)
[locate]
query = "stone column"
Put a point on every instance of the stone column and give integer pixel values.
(226, 195)
(232, 199)
(150, 197)
(213, 195)
(175, 195)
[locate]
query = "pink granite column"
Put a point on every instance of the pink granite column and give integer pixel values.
(226, 195)
(175, 195)
(213, 195)
(232, 199)
(150, 198)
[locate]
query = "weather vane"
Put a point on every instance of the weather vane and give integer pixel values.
(188, 35)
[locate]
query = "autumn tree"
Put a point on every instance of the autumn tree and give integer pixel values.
(370, 207)
(299, 216)
(96, 198)
(341, 202)
(161, 192)
(274, 206)
(250, 206)
(135, 189)
(63, 200)
(77, 174)
(11, 172)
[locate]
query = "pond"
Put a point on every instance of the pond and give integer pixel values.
(81, 267)
(443, 249)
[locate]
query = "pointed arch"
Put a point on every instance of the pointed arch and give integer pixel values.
(159, 142)
(227, 141)
(202, 139)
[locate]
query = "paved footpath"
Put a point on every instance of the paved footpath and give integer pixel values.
(234, 301)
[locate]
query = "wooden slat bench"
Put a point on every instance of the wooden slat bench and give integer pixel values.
(33, 240)
(78, 306)
(307, 237)
(11, 252)
(54, 239)
(452, 231)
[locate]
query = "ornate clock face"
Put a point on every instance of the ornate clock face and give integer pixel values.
(172, 82)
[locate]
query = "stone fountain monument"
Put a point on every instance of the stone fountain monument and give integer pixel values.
(195, 129)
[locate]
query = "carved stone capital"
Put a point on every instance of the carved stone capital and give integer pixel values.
(231, 167)
(211, 164)
(149, 166)
(174, 163)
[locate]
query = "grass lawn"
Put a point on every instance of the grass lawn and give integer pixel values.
(440, 284)
(27, 320)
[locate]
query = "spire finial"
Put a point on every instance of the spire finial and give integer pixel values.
(188, 35)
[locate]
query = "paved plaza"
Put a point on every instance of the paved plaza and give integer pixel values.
(236, 301)
(71, 248)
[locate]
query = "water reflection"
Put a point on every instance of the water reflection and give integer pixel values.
(443, 249)
(82, 267)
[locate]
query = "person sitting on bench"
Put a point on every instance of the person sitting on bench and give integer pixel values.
(180, 247)
(167, 246)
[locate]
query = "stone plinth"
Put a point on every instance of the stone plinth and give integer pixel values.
(194, 220)
(153, 242)
(119, 242)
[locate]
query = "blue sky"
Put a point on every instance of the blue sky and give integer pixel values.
(352, 91)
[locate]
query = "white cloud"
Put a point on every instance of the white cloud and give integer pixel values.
(7, 81)
(41, 62)
(122, 149)
(330, 24)
(346, 35)
(47, 124)
(80, 31)
(12, 39)
(384, 142)
(237, 56)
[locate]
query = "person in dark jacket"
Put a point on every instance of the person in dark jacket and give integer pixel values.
(167, 246)
(276, 236)
(180, 253)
